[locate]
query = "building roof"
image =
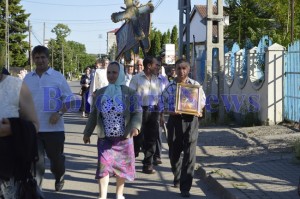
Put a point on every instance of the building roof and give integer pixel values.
(113, 31)
(202, 11)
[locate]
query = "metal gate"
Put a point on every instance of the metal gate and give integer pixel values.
(292, 83)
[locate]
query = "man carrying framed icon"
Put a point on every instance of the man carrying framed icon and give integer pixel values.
(183, 99)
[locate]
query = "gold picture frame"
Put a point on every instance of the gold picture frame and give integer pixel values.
(188, 98)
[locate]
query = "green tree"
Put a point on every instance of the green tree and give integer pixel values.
(164, 40)
(61, 31)
(2, 56)
(59, 47)
(169, 36)
(155, 39)
(254, 18)
(71, 52)
(280, 12)
(174, 36)
(17, 29)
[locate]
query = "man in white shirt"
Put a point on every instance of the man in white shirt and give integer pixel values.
(147, 85)
(51, 95)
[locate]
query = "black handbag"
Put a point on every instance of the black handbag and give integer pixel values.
(28, 189)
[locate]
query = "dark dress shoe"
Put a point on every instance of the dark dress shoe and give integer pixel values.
(176, 183)
(59, 184)
(157, 161)
(148, 170)
(185, 194)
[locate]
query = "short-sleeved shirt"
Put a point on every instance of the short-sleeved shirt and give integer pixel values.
(49, 92)
(10, 88)
(148, 90)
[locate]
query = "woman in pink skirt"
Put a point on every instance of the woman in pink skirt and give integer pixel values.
(118, 116)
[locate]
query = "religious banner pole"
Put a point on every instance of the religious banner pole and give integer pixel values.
(135, 31)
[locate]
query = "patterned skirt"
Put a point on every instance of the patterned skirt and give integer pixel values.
(116, 157)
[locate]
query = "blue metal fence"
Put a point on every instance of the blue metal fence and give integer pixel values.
(292, 83)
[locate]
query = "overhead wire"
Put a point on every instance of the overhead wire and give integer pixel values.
(72, 5)
(157, 4)
(36, 37)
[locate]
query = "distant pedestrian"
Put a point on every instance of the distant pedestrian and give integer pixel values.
(182, 131)
(139, 66)
(118, 120)
(98, 80)
(85, 82)
(171, 73)
(51, 94)
(129, 72)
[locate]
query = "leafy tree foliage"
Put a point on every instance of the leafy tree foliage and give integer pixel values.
(165, 39)
(70, 54)
(61, 31)
(2, 56)
(174, 37)
(254, 18)
(17, 32)
(159, 39)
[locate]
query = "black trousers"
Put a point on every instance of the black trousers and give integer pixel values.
(52, 145)
(182, 137)
(150, 131)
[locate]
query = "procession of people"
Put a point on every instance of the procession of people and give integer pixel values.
(123, 132)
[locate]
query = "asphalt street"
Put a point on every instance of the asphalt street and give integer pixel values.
(81, 166)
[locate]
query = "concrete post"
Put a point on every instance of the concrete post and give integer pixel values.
(209, 85)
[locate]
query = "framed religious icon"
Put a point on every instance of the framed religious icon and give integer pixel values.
(188, 98)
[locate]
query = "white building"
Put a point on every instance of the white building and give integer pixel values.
(111, 39)
(198, 20)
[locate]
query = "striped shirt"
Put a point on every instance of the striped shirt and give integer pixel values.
(49, 92)
(168, 99)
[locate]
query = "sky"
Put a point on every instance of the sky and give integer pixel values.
(90, 20)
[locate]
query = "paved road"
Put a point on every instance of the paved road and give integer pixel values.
(81, 166)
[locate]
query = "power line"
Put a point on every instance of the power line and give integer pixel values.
(157, 4)
(36, 37)
(55, 22)
(72, 5)
(70, 21)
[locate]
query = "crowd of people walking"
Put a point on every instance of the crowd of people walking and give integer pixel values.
(128, 105)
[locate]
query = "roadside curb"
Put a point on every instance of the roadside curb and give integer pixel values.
(214, 185)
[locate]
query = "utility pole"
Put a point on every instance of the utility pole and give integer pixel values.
(44, 30)
(6, 36)
(184, 7)
(62, 59)
(214, 82)
(52, 59)
(292, 19)
(29, 53)
(100, 37)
